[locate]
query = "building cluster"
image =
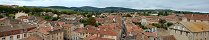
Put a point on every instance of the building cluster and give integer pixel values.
(192, 27)
(112, 26)
(27, 27)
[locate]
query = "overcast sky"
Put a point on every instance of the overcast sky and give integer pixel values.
(187, 5)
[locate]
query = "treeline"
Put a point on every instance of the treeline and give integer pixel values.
(89, 9)
(160, 12)
(188, 12)
(33, 10)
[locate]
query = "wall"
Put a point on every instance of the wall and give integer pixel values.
(14, 37)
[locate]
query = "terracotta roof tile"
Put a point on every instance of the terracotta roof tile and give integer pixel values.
(135, 20)
(169, 37)
(96, 38)
(61, 23)
(80, 30)
(153, 34)
(33, 37)
(45, 30)
(108, 32)
(196, 26)
(197, 16)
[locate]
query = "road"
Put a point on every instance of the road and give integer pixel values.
(124, 30)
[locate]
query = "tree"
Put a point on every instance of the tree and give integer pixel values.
(162, 21)
(91, 21)
(55, 18)
(169, 24)
(128, 15)
(48, 17)
(156, 25)
(11, 15)
(97, 24)
(1, 16)
(89, 15)
(83, 21)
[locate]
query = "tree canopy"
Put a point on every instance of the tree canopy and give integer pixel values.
(33, 10)
(1, 16)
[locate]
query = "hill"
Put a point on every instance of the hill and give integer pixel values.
(90, 9)
(94, 9)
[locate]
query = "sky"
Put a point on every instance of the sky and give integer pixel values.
(184, 5)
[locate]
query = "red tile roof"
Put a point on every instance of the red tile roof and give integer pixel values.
(108, 32)
(135, 20)
(110, 26)
(2, 19)
(67, 25)
(80, 30)
(169, 37)
(197, 16)
(94, 31)
(99, 38)
(17, 29)
(61, 23)
(45, 30)
(100, 19)
(90, 30)
(96, 38)
(33, 37)
(153, 34)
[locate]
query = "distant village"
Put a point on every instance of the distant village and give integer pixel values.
(105, 26)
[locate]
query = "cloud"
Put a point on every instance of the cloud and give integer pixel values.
(190, 5)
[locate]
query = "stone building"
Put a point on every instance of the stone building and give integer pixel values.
(191, 30)
(19, 14)
(49, 33)
(15, 31)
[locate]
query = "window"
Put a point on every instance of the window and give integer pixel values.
(175, 31)
(186, 33)
(11, 37)
(57, 38)
(60, 37)
(183, 29)
(25, 35)
(18, 36)
(196, 34)
(3, 38)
